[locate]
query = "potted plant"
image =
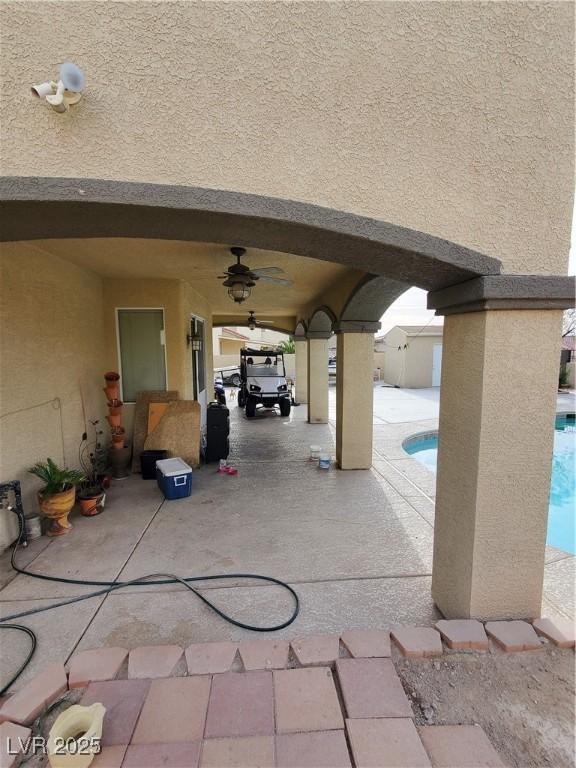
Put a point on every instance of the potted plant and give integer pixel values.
(94, 463)
(112, 388)
(57, 497)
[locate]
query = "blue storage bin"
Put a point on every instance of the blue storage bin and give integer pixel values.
(174, 478)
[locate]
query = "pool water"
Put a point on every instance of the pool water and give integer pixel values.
(561, 515)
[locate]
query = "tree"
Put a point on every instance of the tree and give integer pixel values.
(569, 323)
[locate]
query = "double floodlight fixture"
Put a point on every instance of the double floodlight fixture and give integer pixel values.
(65, 92)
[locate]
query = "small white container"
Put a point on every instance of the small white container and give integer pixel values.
(324, 461)
(315, 451)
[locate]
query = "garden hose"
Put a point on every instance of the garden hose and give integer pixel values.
(111, 586)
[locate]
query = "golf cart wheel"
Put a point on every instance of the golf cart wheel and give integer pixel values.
(250, 407)
(241, 400)
(285, 406)
(236, 380)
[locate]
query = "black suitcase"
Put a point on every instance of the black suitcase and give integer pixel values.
(217, 431)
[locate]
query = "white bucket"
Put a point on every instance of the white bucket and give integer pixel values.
(315, 451)
(324, 461)
(33, 527)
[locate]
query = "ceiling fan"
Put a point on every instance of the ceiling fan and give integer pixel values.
(253, 323)
(240, 279)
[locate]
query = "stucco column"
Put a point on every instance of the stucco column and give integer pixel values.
(354, 396)
(497, 407)
(301, 365)
(318, 377)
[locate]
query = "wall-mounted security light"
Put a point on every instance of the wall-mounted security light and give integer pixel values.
(65, 92)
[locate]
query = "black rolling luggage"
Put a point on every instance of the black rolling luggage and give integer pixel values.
(217, 431)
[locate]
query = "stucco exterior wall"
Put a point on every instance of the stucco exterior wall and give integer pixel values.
(451, 118)
(52, 346)
(231, 347)
(419, 358)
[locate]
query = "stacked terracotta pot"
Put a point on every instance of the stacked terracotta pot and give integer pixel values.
(114, 418)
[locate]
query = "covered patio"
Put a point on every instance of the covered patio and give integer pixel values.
(356, 546)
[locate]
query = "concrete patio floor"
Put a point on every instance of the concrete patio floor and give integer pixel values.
(357, 545)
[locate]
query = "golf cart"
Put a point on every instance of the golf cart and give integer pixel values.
(263, 381)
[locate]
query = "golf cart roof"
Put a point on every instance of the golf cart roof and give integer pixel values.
(260, 352)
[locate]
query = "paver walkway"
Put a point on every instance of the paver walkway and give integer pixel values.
(349, 713)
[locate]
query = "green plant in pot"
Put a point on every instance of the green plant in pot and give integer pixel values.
(57, 497)
(94, 462)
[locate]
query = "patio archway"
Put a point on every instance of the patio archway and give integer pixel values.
(489, 537)
(41, 208)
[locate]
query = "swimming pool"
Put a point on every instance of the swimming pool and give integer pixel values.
(561, 532)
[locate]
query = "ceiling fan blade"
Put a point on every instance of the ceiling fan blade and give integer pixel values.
(268, 271)
(275, 280)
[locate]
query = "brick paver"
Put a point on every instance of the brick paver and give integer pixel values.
(461, 634)
(123, 700)
(461, 746)
(241, 704)
(210, 658)
(513, 635)
(264, 654)
(417, 642)
(244, 752)
(560, 631)
(386, 743)
(366, 643)
(95, 665)
(153, 661)
(25, 705)
(306, 700)
(13, 740)
(173, 755)
(321, 749)
(316, 649)
(174, 711)
(371, 688)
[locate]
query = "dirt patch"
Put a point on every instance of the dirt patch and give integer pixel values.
(524, 701)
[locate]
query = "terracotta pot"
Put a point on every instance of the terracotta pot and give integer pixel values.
(112, 391)
(114, 419)
(57, 508)
(120, 462)
(92, 505)
(115, 407)
(111, 376)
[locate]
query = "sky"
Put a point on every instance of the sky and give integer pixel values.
(410, 308)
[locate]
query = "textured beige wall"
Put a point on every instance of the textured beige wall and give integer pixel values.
(495, 452)
(448, 117)
(51, 332)
(354, 400)
(419, 361)
(318, 381)
(231, 347)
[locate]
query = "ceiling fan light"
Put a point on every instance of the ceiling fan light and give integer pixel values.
(239, 292)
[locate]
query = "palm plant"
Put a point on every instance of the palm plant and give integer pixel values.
(288, 346)
(55, 479)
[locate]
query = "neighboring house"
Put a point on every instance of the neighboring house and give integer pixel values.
(228, 341)
(412, 356)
